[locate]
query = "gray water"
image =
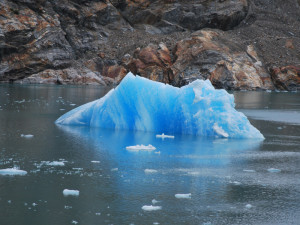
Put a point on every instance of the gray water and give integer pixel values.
(228, 180)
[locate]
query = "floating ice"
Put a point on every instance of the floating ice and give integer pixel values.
(273, 170)
(141, 147)
(151, 208)
(163, 136)
(248, 206)
(249, 171)
(26, 135)
(68, 192)
(12, 172)
(236, 183)
(54, 163)
(189, 195)
(95, 161)
(150, 171)
(140, 104)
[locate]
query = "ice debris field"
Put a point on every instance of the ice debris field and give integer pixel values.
(141, 104)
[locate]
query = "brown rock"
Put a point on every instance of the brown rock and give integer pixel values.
(286, 78)
(152, 62)
(210, 54)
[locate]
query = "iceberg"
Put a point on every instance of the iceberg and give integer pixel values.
(141, 104)
(141, 147)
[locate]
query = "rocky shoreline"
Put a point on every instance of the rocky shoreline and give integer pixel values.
(237, 44)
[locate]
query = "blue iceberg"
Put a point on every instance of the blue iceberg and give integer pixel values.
(141, 104)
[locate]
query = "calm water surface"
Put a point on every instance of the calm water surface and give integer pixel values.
(228, 180)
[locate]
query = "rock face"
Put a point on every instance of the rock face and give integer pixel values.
(208, 54)
(165, 16)
(247, 46)
(286, 78)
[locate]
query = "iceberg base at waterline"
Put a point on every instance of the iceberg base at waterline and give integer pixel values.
(141, 104)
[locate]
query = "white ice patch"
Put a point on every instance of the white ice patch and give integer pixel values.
(114, 169)
(273, 170)
(95, 161)
(249, 171)
(151, 208)
(248, 206)
(13, 172)
(189, 195)
(236, 183)
(150, 171)
(67, 192)
(27, 136)
(163, 136)
(141, 147)
(220, 131)
(55, 163)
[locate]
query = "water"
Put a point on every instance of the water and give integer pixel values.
(228, 180)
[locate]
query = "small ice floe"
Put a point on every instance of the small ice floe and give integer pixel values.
(163, 136)
(248, 206)
(67, 192)
(141, 147)
(54, 163)
(114, 169)
(9, 201)
(273, 170)
(95, 161)
(34, 204)
(279, 128)
(151, 208)
(235, 182)
(72, 104)
(20, 101)
(98, 214)
(13, 172)
(68, 207)
(157, 152)
(74, 222)
(220, 131)
(249, 171)
(27, 136)
(62, 109)
(155, 223)
(78, 169)
(154, 201)
(189, 195)
(150, 171)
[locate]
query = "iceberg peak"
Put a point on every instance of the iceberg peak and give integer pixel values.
(141, 104)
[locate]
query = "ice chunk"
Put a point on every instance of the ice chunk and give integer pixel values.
(150, 171)
(74, 222)
(95, 161)
(26, 135)
(55, 163)
(163, 136)
(151, 208)
(189, 195)
(140, 104)
(141, 147)
(12, 172)
(248, 206)
(249, 171)
(67, 192)
(273, 170)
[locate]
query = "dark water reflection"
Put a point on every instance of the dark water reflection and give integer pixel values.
(214, 171)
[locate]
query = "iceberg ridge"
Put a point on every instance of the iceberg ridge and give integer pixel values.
(141, 104)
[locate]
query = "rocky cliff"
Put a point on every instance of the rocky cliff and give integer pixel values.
(237, 44)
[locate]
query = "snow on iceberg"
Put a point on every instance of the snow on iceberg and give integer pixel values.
(141, 104)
